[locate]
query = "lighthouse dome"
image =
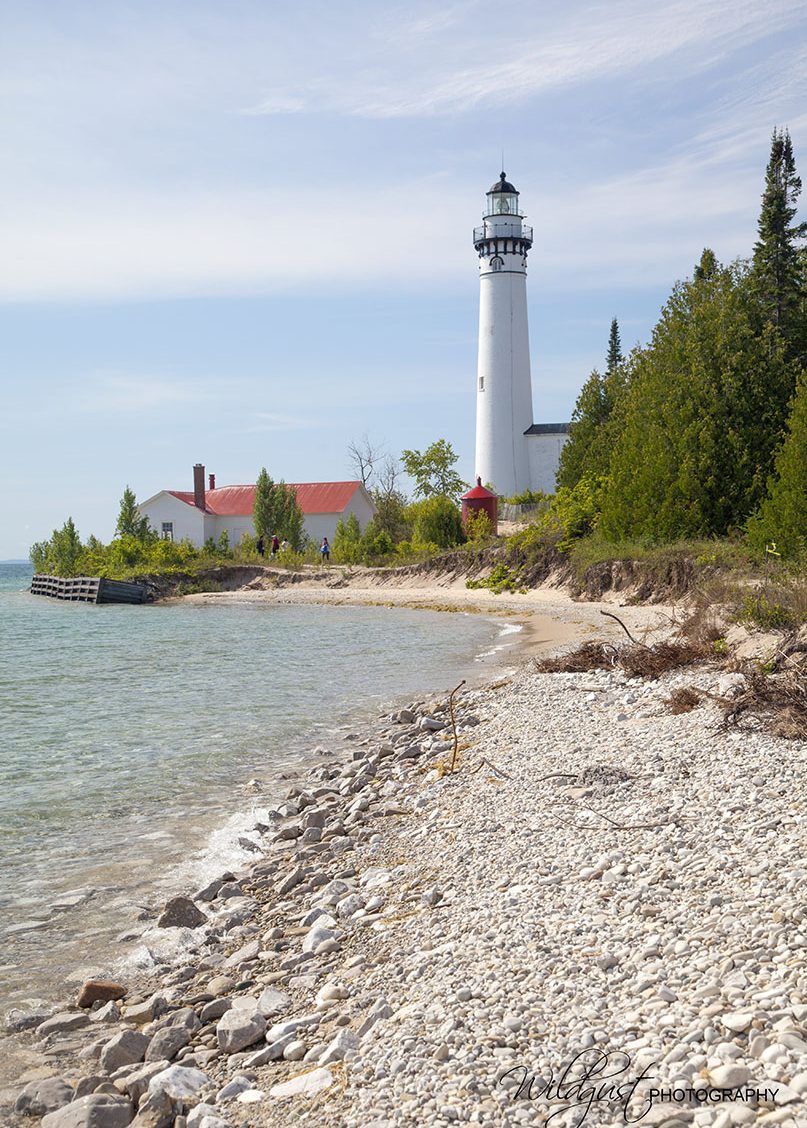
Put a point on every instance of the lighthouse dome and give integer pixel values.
(503, 185)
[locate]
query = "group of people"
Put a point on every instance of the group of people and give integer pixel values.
(276, 545)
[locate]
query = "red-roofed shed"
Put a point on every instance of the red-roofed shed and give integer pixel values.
(480, 500)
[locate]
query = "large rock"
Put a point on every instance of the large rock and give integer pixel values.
(136, 1083)
(180, 912)
(42, 1097)
(343, 1044)
(238, 1029)
(179, 1082)
(272, 1001)
(62, 1023)
(126, 1048)
(156, 1110)
(167, 1043)
(18, 1019)
(245, 954)
(98, 1110)
(304, 1084)
(99, 991)
(316, 935)
(145, 1011)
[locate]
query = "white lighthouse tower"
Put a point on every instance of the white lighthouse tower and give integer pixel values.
(504, 385)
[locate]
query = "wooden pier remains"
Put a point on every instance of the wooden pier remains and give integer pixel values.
(88, 589)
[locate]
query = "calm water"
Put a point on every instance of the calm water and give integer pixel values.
(127, 733)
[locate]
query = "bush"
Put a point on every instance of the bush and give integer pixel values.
(478, 526)
(436, 523)
(500, 579)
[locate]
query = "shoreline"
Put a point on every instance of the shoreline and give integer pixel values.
(487, 918)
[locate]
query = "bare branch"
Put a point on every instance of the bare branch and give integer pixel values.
(363, 458)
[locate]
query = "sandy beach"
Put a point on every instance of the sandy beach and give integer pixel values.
(550, 618)
(596, 917)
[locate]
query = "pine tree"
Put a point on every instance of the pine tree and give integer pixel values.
(614, 357)
(265, 505)
(587, 451)
(782, 519)
(130, 523)
(778, 266)
(291, 520)
(702, 416)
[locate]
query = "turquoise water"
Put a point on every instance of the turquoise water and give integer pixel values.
(127, 733)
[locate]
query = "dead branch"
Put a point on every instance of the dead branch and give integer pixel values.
(454, 723)
(622, 625)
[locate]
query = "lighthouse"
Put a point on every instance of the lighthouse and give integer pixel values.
(504, 385)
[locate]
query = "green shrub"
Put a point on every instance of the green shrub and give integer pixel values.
(436, 524)
(758, 610)
(500, 579)
(478, 526)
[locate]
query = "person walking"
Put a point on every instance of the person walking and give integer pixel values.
(260, 546)
(325, 550)
(275, 546)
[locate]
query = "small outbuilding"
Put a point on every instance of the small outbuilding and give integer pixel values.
(479, 500)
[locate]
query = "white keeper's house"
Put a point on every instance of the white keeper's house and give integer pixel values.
(208, 510)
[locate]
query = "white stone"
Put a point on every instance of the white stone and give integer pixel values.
(737, 1021)
(179, 1082)
(304, 1084)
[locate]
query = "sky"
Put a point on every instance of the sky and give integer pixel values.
(241, 234)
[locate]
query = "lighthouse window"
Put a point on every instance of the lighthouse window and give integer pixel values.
(496, 263)
(481, 383)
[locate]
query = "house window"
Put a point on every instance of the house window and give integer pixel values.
(496, 263)
(481, 383)
(168, 530)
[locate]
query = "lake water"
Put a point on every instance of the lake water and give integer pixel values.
(127, 734)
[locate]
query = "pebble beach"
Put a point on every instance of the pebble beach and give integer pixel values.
(597, 917)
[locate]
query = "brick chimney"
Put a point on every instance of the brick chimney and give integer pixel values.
(211, 481)
(199, 486)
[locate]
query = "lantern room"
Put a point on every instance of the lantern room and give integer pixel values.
(502, 199)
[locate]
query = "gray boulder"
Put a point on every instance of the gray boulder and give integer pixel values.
(238, 1029)
(156, 1110)
(62, 1023)
(125, 1048)
(179, 1082)
(180, 912)
(42, 1097)
(98, 1110)
(272, 1001)
(167, 1043)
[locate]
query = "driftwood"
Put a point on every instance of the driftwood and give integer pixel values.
(454, 723)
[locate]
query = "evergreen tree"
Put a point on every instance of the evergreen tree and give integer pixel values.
(778, 266)
(265, 505)
(291, 523)
(64, 550)
(276, 512)
(782, 519)
(614, 357)
(130, 523)
(587, 451)
(702, 415)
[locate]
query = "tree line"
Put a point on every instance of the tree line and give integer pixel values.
(703, 431)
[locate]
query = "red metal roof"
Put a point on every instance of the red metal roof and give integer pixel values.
(478, 491)
(238, 501)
